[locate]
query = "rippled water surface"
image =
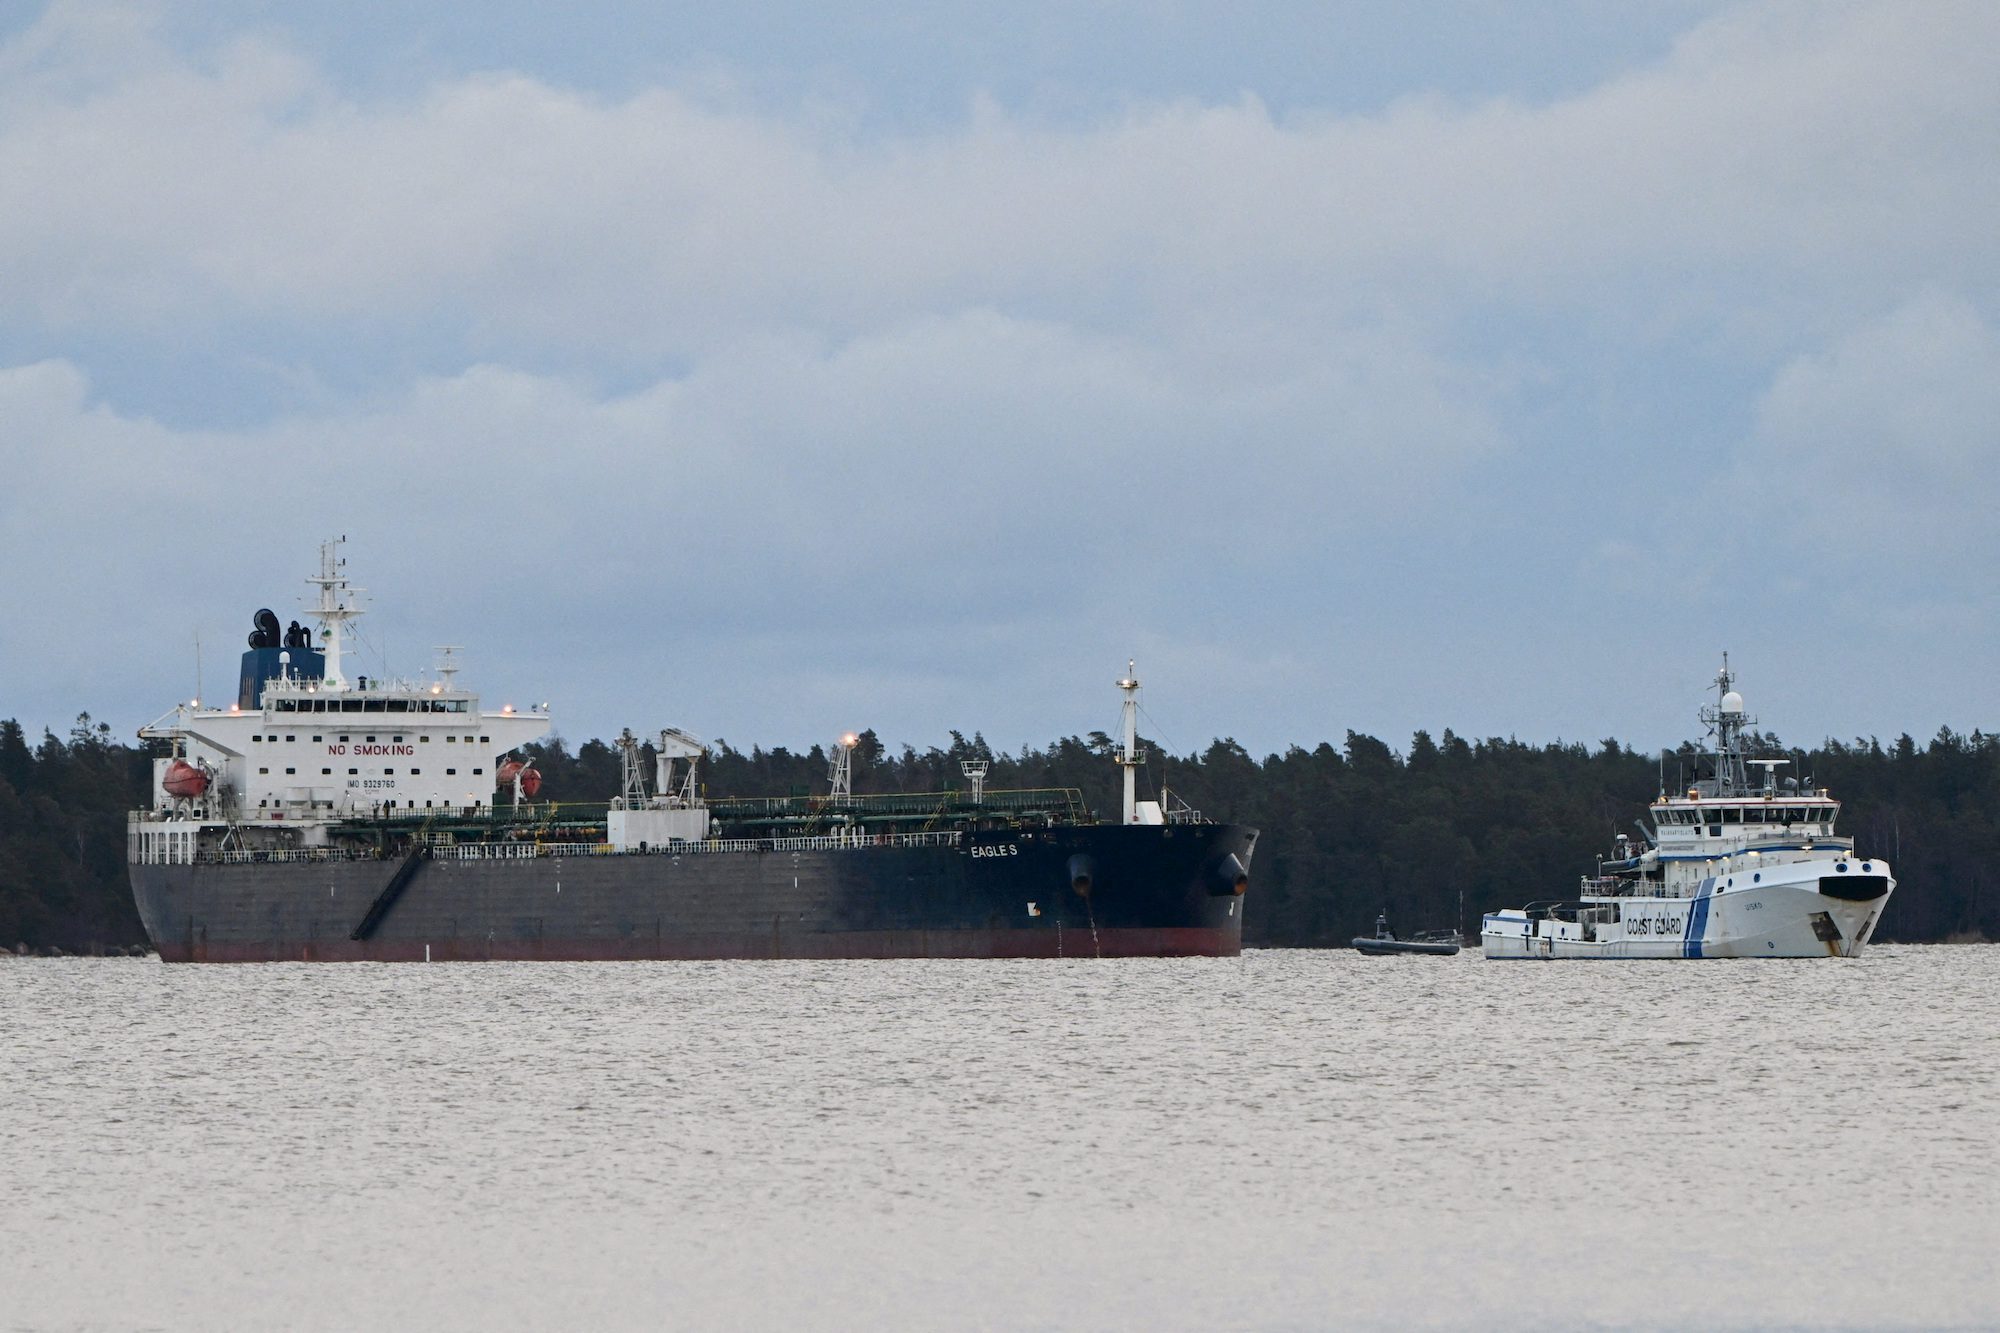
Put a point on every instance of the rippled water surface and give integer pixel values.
(1286, 1140)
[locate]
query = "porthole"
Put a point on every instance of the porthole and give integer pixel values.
(1756, 879)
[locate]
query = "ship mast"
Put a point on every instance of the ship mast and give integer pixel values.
(1726, 720)
(840, 769)
(1128, 756)
(336, 607)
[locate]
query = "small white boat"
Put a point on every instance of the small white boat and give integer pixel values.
(1736, 869)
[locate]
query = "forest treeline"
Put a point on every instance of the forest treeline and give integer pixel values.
(1349, 830)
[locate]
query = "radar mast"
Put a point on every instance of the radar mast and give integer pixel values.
(336, 607)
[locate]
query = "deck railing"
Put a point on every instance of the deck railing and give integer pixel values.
(519, 851)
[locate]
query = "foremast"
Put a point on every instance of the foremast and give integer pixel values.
(1128, 756)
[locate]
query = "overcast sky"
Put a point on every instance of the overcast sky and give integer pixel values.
(770, 371)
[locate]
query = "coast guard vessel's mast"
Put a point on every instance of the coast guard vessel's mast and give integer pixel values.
(1726, 721)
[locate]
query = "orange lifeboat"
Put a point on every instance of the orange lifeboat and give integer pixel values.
(183, 781)
(530, 778)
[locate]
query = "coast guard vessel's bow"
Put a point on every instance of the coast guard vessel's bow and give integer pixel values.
(320, 817)
(1739, 868)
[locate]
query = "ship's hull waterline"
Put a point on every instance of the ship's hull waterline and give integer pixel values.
(1100, 891)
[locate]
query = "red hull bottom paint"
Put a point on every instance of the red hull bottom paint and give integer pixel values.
(1162, 942)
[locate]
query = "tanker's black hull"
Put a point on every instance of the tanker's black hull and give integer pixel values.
(1092, 891)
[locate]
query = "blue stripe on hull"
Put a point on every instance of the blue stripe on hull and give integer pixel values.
(1697, 922)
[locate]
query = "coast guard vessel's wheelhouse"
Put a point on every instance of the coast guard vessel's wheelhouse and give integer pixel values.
(1739, 867)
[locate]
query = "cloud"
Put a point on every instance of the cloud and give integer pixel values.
(961, 499)
(1900, 414)
(663, 394)
(1775, 145)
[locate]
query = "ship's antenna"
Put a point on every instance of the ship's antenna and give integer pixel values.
(1128, 756)
(197, 665)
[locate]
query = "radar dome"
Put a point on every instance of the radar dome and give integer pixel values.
(1732, 702)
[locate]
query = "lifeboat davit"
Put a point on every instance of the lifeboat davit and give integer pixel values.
(183, 781)
(530, 779)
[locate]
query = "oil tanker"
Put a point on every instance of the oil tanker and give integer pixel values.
(321, 818)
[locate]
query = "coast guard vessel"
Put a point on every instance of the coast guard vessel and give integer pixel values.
(320, 816)
(1738, 868)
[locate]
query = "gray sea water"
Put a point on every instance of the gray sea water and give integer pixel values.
(1289, 1140)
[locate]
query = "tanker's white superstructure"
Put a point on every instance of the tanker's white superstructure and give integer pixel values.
(1737, 869)
(306, 747)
